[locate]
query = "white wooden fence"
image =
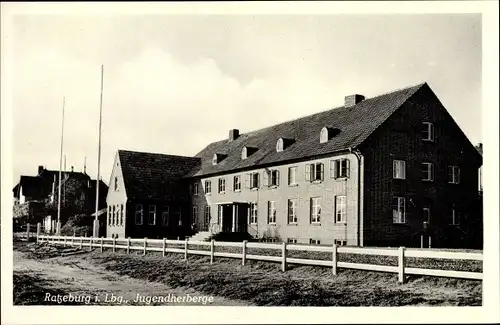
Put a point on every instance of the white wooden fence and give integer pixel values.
(161, 245)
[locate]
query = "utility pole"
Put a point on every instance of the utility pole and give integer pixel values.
(58, 226)
(96, 220)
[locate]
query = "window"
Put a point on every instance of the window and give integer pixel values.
(314, 172)
(195, 189)
(208, 187)
(271, 212)
(427, 171)
(274, 177)
(427, 131)
(178, 216)
(116, 184)
(323, 135)
(254, 180)
(340, 242)
(208, 215)
(195, 213)
(279, 145)
(427, 214)
(315, 210)
(340, 209)
(399, 169)
(339, 168)
(237, 183)
(109, 215)
(121, 215)
(292, 211)
(253, 213)
(292, 175)
(314, 241)
(292, 241)
(398, 210)
(222, 185)
(138, 214)
(152, 215)
(113, 215)
(165, 214)
(453, 174)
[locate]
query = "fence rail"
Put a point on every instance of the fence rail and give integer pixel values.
(183, 247)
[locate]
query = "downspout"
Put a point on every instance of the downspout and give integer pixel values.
(357, 153)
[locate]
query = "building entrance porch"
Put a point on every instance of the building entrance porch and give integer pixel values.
(233, 216)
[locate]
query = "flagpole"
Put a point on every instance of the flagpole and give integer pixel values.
(58, 227)
(96, 221)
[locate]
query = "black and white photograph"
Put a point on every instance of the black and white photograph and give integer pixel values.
(207, 155)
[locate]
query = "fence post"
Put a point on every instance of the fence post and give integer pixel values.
(401, 265)
(28, 231)
(283, 254)
(38, 231)
(244, 253)
(102, 240)
(128, 245)
(81, 242)
(64, 243)
(91, 242)
(421, 241)
(334, 259)
(429, 241)
(163, 247)
(186, 249)
(212, 248)
(114, 244)
(145, 245)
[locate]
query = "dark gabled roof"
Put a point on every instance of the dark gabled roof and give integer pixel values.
(149, 175)
(355, 123)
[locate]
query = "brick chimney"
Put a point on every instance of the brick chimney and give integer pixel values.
(352, 100)
(40, 169)
(234, 134)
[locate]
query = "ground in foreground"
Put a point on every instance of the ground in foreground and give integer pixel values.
(257, 283)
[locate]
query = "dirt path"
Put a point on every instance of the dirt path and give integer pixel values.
(76, 276)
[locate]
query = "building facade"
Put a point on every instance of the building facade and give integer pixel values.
(383, 171)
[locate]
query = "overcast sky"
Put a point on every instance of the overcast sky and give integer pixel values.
(173, 84)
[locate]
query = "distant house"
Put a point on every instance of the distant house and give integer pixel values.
(78, 192)
(379, 171)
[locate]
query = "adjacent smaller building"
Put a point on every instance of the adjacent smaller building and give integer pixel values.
(148, 196)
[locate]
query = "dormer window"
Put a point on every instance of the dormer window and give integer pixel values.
(283, 143)
(247, 152)
(327, 133)
(217, 158)
(279, 145)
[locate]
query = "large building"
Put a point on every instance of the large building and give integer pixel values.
(375, 172)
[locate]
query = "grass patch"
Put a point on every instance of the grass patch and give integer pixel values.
(30, 289)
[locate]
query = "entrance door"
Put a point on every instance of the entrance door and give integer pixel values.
(227, 218)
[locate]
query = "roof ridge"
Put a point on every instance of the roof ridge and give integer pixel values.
(417, 86)
(155, 153)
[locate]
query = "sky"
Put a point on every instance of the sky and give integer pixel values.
(173, 84)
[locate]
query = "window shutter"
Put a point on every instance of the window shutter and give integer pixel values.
(322, 170)
(278, 178)
(266, 178)
(308, 172)
(394, 169)
(348, 167)
(247, 180)
(332, 168)
(432, 171)
(257, 185)
(458, 175)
